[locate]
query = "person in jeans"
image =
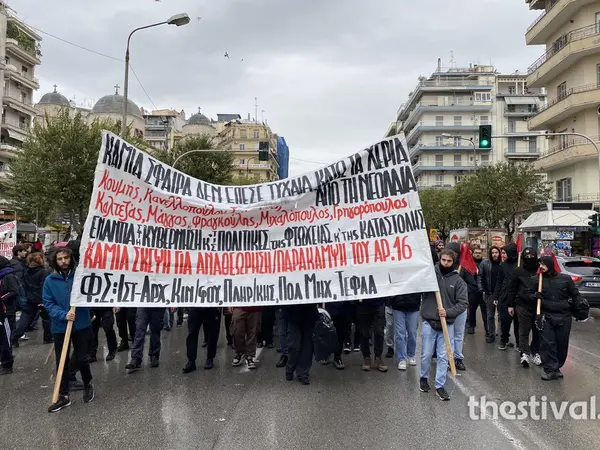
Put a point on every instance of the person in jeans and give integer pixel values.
(489, 274)
(460, 322)
(246, 326)
(339, 316)
(405, 311)
(282, 328)
(371, 316)
(56, 296)
(388, 334)
(154, 317)
(454, 293)
(210, 319)
(301, 323)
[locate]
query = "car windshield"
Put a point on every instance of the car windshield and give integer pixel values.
(583, 267)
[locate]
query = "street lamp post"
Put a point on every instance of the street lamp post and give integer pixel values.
(177, 20)
(450, 136)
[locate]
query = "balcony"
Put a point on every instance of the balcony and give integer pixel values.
(9, 151)
(450, 147)
(566, 153)
(556, 13)
(449, 84)
(424, 126)
(422, 186)
(570, 103)
(564, 52)
(432, 167)
(264, 166)
(16, 130)
(514, 154)
(456, 106)
(24, 78)
(21, 51)
(20, 104)
(520, 112)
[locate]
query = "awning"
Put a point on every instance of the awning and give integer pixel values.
(558, 219)
(16, 135)
(521, 100)
(25, 227)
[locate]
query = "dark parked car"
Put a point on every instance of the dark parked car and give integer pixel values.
(585, 272)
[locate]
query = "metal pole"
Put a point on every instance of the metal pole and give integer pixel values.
(472, 141)
(247, 164)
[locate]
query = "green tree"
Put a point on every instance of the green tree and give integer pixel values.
(245, 180)
(439, 210)
(54, 173)
(212, 167)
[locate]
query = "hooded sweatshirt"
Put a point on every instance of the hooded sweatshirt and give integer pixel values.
(471, 280)
(454, 294)
(489, 271)
(522, 285)
(9, 288)
(507, 273)
(34, 282)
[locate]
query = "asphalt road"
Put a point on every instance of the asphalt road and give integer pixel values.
(229, 407)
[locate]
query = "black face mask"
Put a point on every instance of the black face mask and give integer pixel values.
(530, 264)
(446, 270)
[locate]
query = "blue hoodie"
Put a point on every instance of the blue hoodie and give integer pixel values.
(57, 301)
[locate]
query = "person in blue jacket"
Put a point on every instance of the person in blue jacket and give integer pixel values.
(56, 296)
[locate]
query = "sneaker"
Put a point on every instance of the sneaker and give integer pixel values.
(123, 346)
(154, 362)
(378, 364)
(250, 364)
(24, 338)
(460, 365)
(269, 345)
(92, 359)
(237, 360)
(510, 344)
(559, 374)
(424, 385)
(324, 362)
(304, 380)
(470, 330)
(259, 345)
(401, 365)
(6, 370)
(347, 350)
(62, 402)
(412, 361)
(490, 339)
(548, 376)
(442, 394)
(209, 364)
(75, 385)
(179, 324)
(111, 355)
(366, 365)
(356, 349)
(282, 361)
(502, 345)
(289, 376)
(204, 344)
(189, 367)
(537, 359)
(88, 393)
(525, 360)
(390, 352)
(133, 365)
(339, 364)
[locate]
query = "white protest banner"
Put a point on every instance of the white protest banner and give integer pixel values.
(157, 237)
(8, 238)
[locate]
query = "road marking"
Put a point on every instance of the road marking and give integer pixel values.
(584, 351)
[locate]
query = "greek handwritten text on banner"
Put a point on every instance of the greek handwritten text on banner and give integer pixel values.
(8, 238)
(157, 237)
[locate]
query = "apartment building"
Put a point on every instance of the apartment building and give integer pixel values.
(569, 69)
(243, 138)
(442, 115)
(164, 127)
(20, 54)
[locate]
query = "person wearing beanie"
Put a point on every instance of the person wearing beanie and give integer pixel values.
(487, 278)
(519, 301)
(510, 256)
(560, 300)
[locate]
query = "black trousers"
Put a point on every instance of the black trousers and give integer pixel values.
(144, 317)
(352, 318)
(6, 356)
(340, 321)
(554, 344)
(299, 340)
(492, 309)
(506, 320)
(228, 319)
(105, 319)
(180, 312)
(527, 326)
(210, 318)
(81, 341)
(476, 301)
(266, 325)
(371, 318)
(125, 320)
(28, 316)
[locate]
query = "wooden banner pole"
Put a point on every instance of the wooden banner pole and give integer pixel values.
(449, 351)
(63, 358)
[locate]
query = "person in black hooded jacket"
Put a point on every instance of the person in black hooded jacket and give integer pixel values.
(9, 292)
(519, 300)
(560, 300)
(489, 274)
(510, 256)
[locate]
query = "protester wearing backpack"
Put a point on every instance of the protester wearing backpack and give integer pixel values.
(9, 292)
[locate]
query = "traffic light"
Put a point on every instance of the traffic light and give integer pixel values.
(263, 151)
(593, 223)
(485, 136)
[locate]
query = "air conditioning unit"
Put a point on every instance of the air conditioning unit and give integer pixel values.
(525, 138)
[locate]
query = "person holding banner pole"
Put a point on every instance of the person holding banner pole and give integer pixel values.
(437, 309)
(57, 301)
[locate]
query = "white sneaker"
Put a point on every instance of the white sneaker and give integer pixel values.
(537, 359)
(24, 338)
(402, 365)
(525, 360)
(412, 361)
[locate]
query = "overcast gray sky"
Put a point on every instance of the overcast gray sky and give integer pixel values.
(329, 74)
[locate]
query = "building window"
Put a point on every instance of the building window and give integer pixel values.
(457, 121)
(512, 126)
(244, 133)
(439, 180)
(457, 160)
(484, 120)
(563, 190)
(533, 145)
(242, 161)
(22, 122)
(256, 134)
(24, 70)
(485, 160)
(439, 160)
(511, 108)
(598, 22)
(439, 141)
(457, 179)
(242, 147)
(512, 145)
(483, 96)
(439, 121)
(457, 141)
(512, 90)
(561, 90)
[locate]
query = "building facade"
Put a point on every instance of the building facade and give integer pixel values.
(569, 69)
(442, 116)
(20, 55)
(163, 128)
(283, 157)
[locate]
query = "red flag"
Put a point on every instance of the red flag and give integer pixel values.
(520, 242)
(548, 252)
(466, 260)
